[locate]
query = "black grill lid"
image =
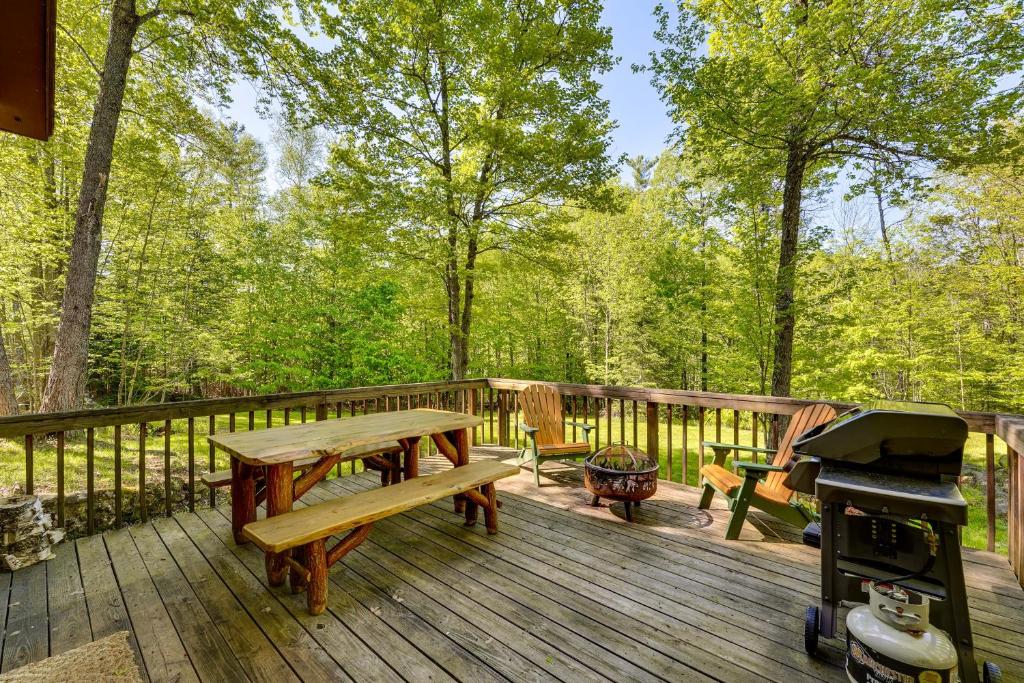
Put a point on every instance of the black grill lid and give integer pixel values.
(924, 438)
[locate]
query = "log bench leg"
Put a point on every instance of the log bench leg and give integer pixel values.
(308, 571)
(491, 510)
(316, 589)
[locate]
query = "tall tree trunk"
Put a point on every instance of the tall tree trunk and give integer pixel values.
(8, 399)
(65, 388)
(785, 279)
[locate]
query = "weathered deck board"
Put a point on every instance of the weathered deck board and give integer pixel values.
(564, 592)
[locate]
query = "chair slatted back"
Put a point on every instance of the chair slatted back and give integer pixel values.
(542, 408)
(802, 420)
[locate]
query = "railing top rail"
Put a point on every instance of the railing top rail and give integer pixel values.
(1010, 428)
(42, 423)
(976, 421)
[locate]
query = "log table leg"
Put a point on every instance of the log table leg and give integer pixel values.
(280, 482)
(412, 457)
(243, 498)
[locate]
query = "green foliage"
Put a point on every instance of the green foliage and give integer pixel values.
(211, 284)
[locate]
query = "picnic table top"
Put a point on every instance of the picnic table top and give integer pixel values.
(279, 445)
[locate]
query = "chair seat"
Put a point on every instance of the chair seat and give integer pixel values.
(729, 483)
(563, 448)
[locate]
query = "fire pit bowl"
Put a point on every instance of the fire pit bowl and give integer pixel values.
(621, 472)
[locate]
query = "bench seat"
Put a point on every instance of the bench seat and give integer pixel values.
(222, 478)
(305, 530)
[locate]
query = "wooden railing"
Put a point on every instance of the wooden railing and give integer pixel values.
(201, 418)
(668, 424)
(669, 416)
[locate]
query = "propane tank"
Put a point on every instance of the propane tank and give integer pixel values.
(890, 640)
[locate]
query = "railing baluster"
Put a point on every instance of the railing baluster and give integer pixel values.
(608, 409)
(192, 464)
(167, 466)
(142, 471)
(252, 420)
(574, 418)
(700, 440)
(990, 489)
(622, 421)
(231, 422)
(60, 479)
(29, 465)
(597, 424)
(118, 488)
(586, 413)
(90, 480)
(287, 416)
(490, 411)
(211, 430)
(270, 419)
(302, 413)
(754, 426)
(515, 420)
(686, 446)
(718, 425)
(736, 434)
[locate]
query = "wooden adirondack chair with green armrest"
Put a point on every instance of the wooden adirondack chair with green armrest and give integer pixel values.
(744, 488)
(544, 424)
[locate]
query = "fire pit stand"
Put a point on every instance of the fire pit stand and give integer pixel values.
(620, 472)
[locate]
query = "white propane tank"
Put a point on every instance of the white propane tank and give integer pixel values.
(889, 640)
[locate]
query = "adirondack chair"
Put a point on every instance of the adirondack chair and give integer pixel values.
(744, 488)
(544, 424)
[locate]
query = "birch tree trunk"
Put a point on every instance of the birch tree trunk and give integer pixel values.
(65, 387)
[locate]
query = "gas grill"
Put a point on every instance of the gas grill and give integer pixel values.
(885, 474)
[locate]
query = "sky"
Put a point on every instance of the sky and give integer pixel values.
(642, 122)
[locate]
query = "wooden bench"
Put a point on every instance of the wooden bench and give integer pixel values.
(375, 456)
(306, 530)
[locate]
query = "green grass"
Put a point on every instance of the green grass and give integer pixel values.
(975, 534)
(12, 456)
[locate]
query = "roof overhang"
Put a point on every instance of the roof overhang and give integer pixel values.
(27, 44)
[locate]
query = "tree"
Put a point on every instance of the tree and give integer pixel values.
(642, 168)
(800, 90)
(464, 125)
(210, 42)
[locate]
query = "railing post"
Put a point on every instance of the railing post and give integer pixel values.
(652, 430)
(1015, 512)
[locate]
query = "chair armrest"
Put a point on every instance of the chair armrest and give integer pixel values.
(528, 429)
(582, 425)
(756, 469)
(714, 445)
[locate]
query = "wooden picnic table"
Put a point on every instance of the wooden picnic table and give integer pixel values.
(275, 451)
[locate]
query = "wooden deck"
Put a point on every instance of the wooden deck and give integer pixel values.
(565, 591)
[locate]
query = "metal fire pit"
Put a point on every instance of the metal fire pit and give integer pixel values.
(621, 472)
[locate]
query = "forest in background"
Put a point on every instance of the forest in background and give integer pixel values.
(209, 283)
